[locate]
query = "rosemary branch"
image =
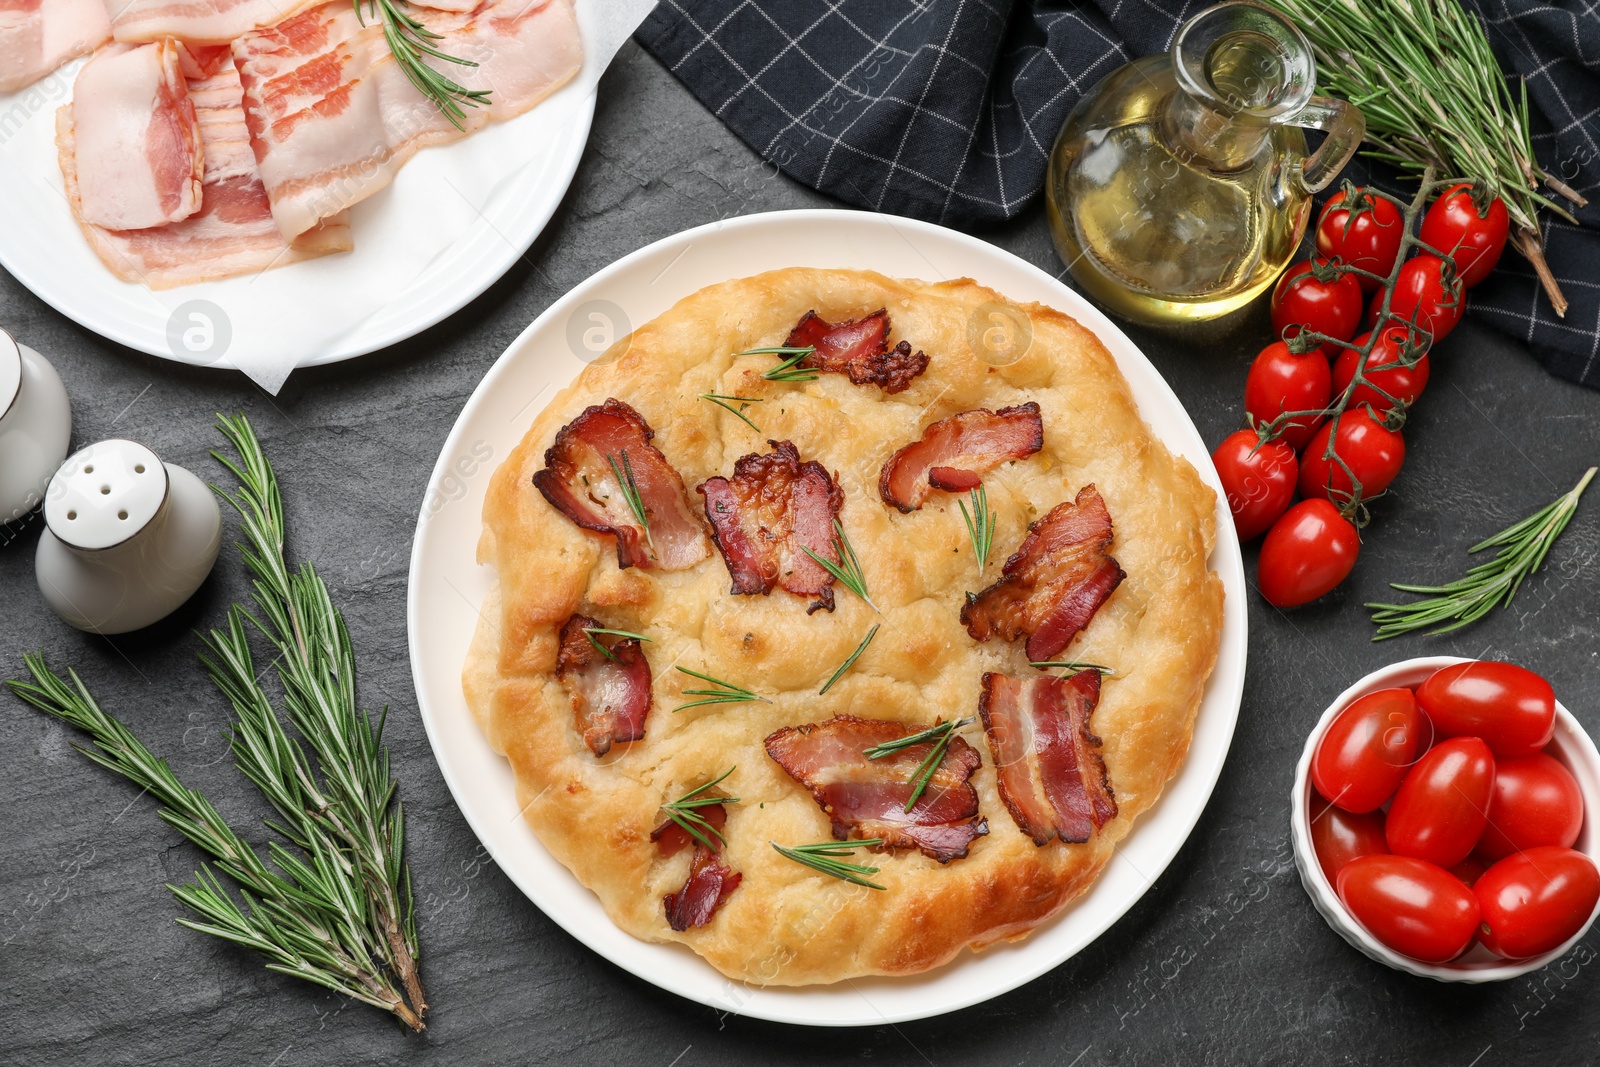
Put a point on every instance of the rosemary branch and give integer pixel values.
(590, 632)
(726, 402)
(1522, 548)
(980, 525)
(685, 811)
(410, 41)
(848, 571)
(940, 734)
(851, 662)
(789, 370)
(1068, 667)
(826, 857)
(725, 693)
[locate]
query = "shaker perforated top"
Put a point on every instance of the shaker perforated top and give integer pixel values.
(105, 494)
(10, 372)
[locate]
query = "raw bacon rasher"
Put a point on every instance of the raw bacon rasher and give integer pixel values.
(37, 36)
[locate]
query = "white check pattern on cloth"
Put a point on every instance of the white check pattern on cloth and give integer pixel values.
(946, 110)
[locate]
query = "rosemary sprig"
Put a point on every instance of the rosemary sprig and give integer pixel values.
(725, 693)
(590, 632)
(685, 811)
(629, 488)
(1069, 667)
(1522, 548)
(980, 524)
(851, 662)
(410, 41)
(789, 370)
(848, 572)
(940, 734)
(826, 857)
(722, 401)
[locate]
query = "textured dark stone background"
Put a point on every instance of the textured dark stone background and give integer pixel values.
(1223, 961)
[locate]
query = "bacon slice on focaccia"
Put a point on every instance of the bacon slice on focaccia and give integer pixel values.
(709, 884)
(1051, 776)
(1054, 583)
(866, 798)
(858, 348)
(610, 691)
(581, 480)
(670, 838)
(953, 454)
(763, 517)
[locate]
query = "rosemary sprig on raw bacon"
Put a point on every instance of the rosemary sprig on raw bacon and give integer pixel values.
(722, 401)
(410, 41)
(590, 632)
(851, 662)
(685, 811)
(826, 857)
(848, 572)
(725, 693)
(980, 525)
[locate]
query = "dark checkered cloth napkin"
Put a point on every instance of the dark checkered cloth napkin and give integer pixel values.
(946, 109)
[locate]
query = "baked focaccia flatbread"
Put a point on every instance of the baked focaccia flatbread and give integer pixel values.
(588, 723)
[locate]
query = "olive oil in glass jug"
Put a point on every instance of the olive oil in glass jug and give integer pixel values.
(1179, 187)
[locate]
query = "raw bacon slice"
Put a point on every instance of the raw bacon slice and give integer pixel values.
(858, 348)
(1054, 583)
(137, 142)
(866, 798)
(1039, 729)
(581, 481)
(709, 884)
(37, 36)
(233, 232)
(762, 516)
(333, 117)
(954, 454)
(201, 22)
(610, 693)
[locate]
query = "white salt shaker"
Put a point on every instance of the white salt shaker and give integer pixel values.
(35, 427)
(128, 538)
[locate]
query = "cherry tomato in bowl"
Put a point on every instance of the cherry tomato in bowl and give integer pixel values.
(1412, 906)
(1366, 751)
(1438, 813)
(1340, 836)
(1281, 381)
(1373, 452)
(1535, 802)
(1314, 296)
(1536, 900)
(1361, 231)
(1511, 708)
(1258, 479)
(1386, 370)
(1306, 554)
(1472, 236)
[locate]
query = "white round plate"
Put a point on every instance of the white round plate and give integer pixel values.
(431, 241)
(447, 585)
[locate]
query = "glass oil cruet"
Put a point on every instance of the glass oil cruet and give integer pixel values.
(1179, 187)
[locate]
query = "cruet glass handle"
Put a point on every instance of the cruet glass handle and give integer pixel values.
(1343, 123)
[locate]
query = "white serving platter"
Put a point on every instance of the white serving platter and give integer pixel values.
(447, 586)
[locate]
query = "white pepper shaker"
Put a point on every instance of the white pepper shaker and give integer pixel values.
(127, 538)
(35, 427)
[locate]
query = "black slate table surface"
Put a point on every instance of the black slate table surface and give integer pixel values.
(1223, 961)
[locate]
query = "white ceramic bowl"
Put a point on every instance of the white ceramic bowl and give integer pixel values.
(1571, 746)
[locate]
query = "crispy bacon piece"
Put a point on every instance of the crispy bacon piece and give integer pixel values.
(1043, 723)
(580, 481)
(670, 838)
(954, 454)
(866, 798)
(858, 348)
(610, 694)
(710, 883)
(1054, 583)
(762, 516)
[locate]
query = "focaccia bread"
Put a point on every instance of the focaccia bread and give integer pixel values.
(785, 923)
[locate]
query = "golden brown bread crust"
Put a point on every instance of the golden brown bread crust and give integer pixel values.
(787, 925)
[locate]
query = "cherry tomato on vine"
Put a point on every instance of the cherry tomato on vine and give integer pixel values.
(1259, 480)
(1308, 551)
(1414, 907)
(1367, 749)
(1426, 293)
(1302, 299)
(1532, 902)
(1384, 370)
(1472, 239)
(1281, 381)
(1439, 810)
(1365, 234)
(1373, 451)
(1510, 707)
(1339, 836)
(1535, 802)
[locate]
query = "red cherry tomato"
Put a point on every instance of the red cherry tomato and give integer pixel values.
(1308, 551)
(1474, 241)
(1470, 869)
(1301, 299)
(1534, 901)
(1439, 810)
(1367, 750)
(1339, 836)
(1415, 908)
(1535, 802)
(1426, 293)
(1366, 236)
(1373, 451)
(1510, 707)
(1384, 370)
(1259, 480)
(1281, 381)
